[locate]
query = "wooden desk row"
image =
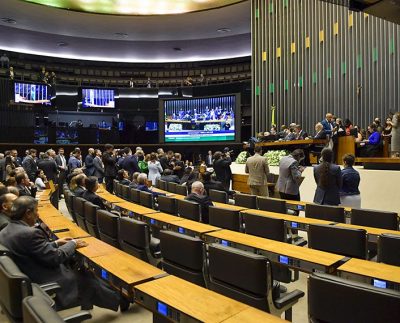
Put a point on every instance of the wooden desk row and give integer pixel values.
(171, 296)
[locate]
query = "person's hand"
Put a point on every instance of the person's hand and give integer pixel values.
(302, 168)
(62, 241)
(81, 244)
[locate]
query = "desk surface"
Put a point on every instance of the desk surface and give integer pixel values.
(218, 204)
(311, 255)
(57, 222)
(110, 198)
(96, 248)
(129, 269)
(195, 301)
(252, 315)
(370, 230)
(47, 210)
(163, 217)
(74, 232)
(372, 269)
(291, 142)
(194, 226)
(136, 208)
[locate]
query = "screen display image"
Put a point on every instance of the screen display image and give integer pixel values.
(98, 98)
(32, 93)
(151, 125)
(199, 120)
(66, 136)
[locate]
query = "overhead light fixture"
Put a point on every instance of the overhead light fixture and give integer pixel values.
(8, 20)
(224, 30)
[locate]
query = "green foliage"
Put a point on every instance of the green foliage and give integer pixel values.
(274, 156)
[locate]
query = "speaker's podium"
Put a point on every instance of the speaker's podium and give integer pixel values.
(345, 145)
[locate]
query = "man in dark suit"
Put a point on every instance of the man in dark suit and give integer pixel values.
(17, 160)
(30, 165)
(61, 162)
(90, 195)
(300, 133)
(6, 203)
(198, 195)
(99, 166)
(89, 166)
(130, 163)
(328, 124)
(24, 185)
(210, 184)
(43, 260)
(110, 168)
(168, 176)
(222, 168)
(49, 167)
(80, 185)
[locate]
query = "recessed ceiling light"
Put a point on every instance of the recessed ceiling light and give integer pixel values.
(8, 20)
(178, 49)
(62, 44)
(224, 30)
(121, 35)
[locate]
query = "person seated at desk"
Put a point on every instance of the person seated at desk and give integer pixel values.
(169, 176)
(40, 180)
(123, 177)
(290, 135)
(78, 185)
(210, 184)
(320, 132)
(90, 195)
(283, 133)
(134, 183)
(371, 147)
(267, 136)
(24, 186)
(44, 260)
(6, 203)
(199, 196)
(142, 180)
(300, 133)
(349, 193)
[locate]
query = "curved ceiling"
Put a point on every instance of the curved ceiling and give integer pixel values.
(203, 35)
(136, 7)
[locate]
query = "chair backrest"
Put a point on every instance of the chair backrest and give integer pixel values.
(334, 299)
(14, 284)
(389, 249)
(167, 204)
(266, 227)
(91, 219)
(107, 224)
(325, 212)
(35, 309)
(240, 275)
(125, 192)
(135, 195)
(158, 183)
(79, 209)
(163, 185)
(218, 196)
(115, 184)
(146, 199)
(224, 218)
(272, 205)
(343, 241)
(134, 237)
(183, 256)
(68, 197)
(171, 187)
(189, 210)
(181, 190)
(246, 200)
(375, 219)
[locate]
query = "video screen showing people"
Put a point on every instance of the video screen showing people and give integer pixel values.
(98, 98)
(31, 93)
(199, 120)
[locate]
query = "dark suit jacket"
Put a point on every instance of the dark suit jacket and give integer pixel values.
(327, 126)
(130, 164)
(26, 191)
(223, 170)
(328, 195)
(90, 169)
(4, 220)
(49, 168)
(40, 259)
(170, 178)
(30, 167)
(320, 135)
(79, 191)
(204, 201)
(214, 185)
(93, 198)
(110, 168)
(99, 169)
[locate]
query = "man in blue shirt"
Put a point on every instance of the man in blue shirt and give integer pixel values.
(328, 125)
(75, 160)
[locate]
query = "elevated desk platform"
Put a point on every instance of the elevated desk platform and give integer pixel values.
(181, 301)
(287, 144)
(373, 273)
(381, 163)
(303, 259)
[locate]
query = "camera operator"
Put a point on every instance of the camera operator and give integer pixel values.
(222, 167)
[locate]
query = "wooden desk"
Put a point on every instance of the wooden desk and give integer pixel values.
(47, 210)
(303, 259)
(58, 222)
(74, 232)
(345, 145)
(123, 271)
(381, 163)
(368, 272)
(182, 301)
(110, 198)
(192, 228)
(252, 315)
(96, 248)
(134, 209)
(292, 143)
(160, 220)
(373, 233)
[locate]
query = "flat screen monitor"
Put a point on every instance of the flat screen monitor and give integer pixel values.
(200, 119)
(98, 98)
(151, 125)
(32, 93)
(65, 136)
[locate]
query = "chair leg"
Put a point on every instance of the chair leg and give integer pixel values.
(288, 315)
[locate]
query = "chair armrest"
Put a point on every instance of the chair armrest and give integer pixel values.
(78, 317)
(50, 288)
(288, 299)
(300, 242)
(116, 213)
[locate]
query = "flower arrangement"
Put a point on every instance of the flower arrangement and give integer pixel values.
(242, 157)
(274, 156)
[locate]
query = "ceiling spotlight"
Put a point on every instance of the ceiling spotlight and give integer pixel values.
(8, 20)
(121, 35)
(62, 44)
(224, 30)
(178, 49)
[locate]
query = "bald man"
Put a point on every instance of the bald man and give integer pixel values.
(328, 124)
(6, 203)
(89, 163)
(199, 195)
